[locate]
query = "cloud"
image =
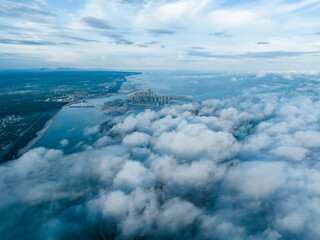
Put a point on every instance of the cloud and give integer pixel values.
(9, 27)
(308, 139)
(136, 139)
(290, 152)
(26, 42)
(263, 43)
(135, 2)
(32, 11)
(132, 175)
(220, 34)
(147, 44)
(32, 42)
(239, 17)
(256, 55)
(118, 38)
(256, 180)
(64, 142)
(79, 39)
(160, 31)
(4, 54)
(152, 42)
(178, 215)
(197, 48)
(202, 140)
(203, 54)
(91, 130)
(96, 23)
(276, 54)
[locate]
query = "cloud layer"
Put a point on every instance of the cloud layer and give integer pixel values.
(242, 168)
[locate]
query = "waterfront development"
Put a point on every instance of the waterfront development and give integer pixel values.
(148, 97)
(137, 100)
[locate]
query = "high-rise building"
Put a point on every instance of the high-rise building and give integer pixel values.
(148, 97)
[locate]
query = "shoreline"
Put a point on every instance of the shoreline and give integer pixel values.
(40, 134)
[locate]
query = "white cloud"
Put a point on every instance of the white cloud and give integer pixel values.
(293, 222)
(231, 18)
(308, 139)
(257, 179)
(91, 130)
(64, 142)
(177, 214)
(132, 175)
(136, 139)
(202, 140)
(290, 152)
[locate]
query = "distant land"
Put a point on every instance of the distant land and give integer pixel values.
(29, 98)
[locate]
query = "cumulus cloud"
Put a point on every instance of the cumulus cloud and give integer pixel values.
(246, 167)
(91, 130)
(160, 31)
(291, 152)
(136, 139)
(195, 140)
(132, 175)
(96, 23)
(263, 43)
(64, 142)
(308, 139)
(256, 180)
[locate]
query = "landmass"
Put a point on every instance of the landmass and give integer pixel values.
(139, 100)
(29, 99)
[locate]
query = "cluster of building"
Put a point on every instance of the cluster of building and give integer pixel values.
(67, 98)
(9, 120)
(148, 97)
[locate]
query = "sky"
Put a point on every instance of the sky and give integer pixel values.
(204, 35)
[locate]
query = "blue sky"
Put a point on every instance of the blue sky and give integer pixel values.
(207, 35)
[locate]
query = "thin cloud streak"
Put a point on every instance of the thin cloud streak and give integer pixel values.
(32, 42)
(263, 43)
(96, 23)
(271, 54)
(220, 34)
(119, 39)
(160, 31)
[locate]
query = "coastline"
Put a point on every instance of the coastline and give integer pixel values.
(35, 130)
(41, 132)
